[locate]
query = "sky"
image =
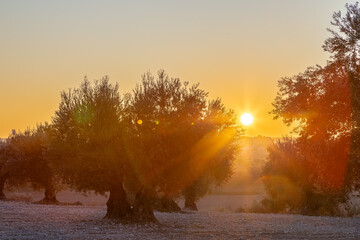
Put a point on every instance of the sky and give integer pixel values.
(236, 50)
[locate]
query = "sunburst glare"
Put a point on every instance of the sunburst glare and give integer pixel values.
(246, 119)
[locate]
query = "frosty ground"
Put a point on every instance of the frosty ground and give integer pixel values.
(20, 220)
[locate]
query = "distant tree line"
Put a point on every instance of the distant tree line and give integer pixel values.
(163, 141)
(318, 172)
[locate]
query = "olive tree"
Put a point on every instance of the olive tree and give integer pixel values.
(28, 161)
(89, 141)
(3, 172)
(215, 139)
(181, 139)
(324, 105)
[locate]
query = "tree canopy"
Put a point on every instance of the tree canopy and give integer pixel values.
(157, 142)
(323, 103)
(26, 159)
(89, 141)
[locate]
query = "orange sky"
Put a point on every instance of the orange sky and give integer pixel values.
(237, 50)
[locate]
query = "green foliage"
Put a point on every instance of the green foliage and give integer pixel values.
(88, 138)
(182, 140)
(27, 160)
(164, 140)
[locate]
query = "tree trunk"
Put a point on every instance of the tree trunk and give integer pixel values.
(50, 194)
(143, 206)
(190, 203)
(2, 186)
(117, 204)
(166, 205)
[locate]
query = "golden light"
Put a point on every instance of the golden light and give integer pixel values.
(139, 121)
(246, 119)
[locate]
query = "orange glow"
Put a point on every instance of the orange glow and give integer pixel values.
(199, 159)
(238, 66)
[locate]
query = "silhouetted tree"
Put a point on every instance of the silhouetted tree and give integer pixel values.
(89, 141)
(176, 142)
(144, 148)
(306, 176)
(161, 111)
(285, 177)
(323, 102)
(3, 172)
(344, 46)
(218, 133)
(28, 161)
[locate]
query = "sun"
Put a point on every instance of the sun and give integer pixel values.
(246, 119)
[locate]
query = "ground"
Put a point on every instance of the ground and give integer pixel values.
(20, 220)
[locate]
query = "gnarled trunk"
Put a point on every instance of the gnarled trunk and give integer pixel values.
(50, 194)
(190, 203)
(2, 186)
(166, 205)
(117, 204)
(143, 206)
